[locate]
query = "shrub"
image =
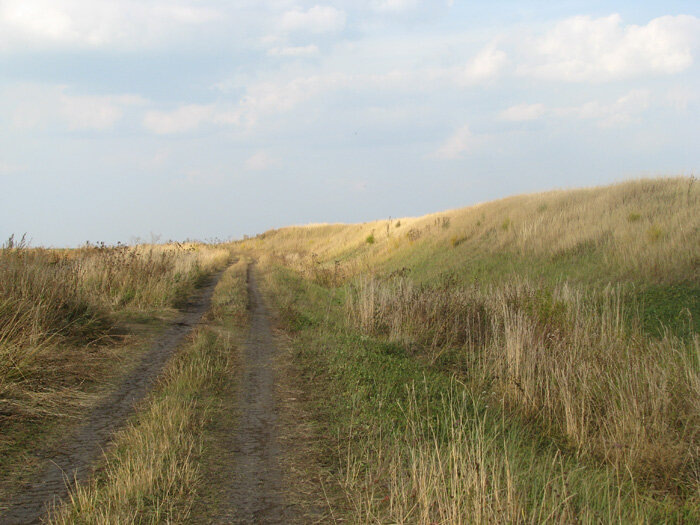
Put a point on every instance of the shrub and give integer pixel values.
(413, 234)
(442, 222)
(456, 240)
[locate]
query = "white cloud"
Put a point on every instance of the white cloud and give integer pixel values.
(522, 112)
(185, 118)
(298, 51)
(90, 112)
(260, 161)
(483, 67)
(157, 159)
(585, 49)
(260, 99)
(278, 95)
(7, 168)
(458, 144)
(210, 176)
(680, 97)
(32, 105)
(486, 65)
(94, 24)
(266, 98)
(624, 110)
(318, 19)
(393, 5)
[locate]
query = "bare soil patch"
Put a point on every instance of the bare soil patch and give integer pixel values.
(255, 489)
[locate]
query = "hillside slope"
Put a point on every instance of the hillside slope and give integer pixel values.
(552, 338)
(642, 233)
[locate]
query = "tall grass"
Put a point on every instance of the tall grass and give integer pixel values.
(50, 299)
(411, 444)
(457, 463)
(565, 356)
(154, 472)
(570, 313)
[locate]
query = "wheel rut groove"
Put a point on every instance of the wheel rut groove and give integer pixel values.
(255, 491)
(74, 460)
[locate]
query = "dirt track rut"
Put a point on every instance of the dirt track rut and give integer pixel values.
(73, 461)
(255, 493)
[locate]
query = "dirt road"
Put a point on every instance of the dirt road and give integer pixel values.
(255, 491)
(74, 460)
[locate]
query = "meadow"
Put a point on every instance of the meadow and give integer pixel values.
(532, 359)
(72, 322)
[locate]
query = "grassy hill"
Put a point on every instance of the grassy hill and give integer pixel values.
(530, 360)
(643, 234)
(569, 319)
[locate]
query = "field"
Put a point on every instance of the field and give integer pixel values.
(530, 360)
(73, 325)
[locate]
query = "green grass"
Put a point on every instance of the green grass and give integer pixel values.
(388, 412)
(674, 308)
(664, 307)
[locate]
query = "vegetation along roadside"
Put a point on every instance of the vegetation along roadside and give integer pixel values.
(493, 379)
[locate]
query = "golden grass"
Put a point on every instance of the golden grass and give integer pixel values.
(545, 330)
(48, 296)
(659, 243)
(567, 357)
(60, 314)
(153, 473)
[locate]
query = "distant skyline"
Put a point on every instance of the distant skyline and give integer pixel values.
(213, 119)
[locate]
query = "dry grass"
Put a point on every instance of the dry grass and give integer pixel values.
(659, 245)
(531, 301)
(153, 474)
(457, 464)
(59, 310)
(566, 357)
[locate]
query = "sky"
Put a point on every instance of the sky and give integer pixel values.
(126, 120)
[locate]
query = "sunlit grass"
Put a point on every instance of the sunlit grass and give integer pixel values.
(572, 314)
(154, 474)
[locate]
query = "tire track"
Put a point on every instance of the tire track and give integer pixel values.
(76, 457)
(255, 492)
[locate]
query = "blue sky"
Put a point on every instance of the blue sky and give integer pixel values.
(212, 119)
